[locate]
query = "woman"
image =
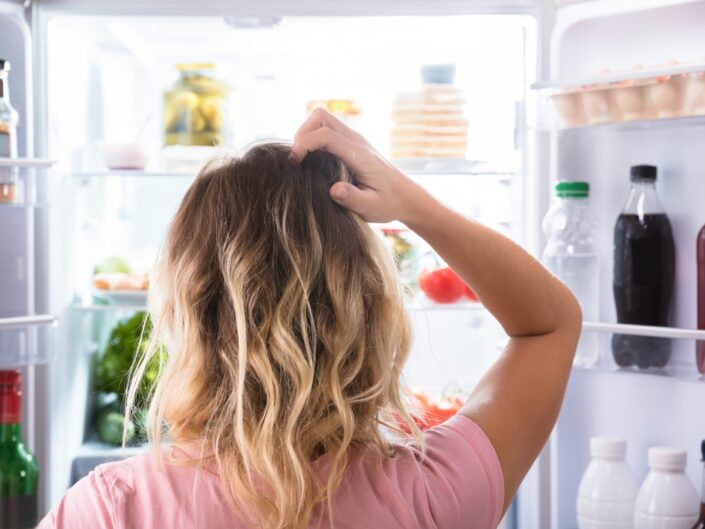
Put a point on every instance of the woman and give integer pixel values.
(286, 331)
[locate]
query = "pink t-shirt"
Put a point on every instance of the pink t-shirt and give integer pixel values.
(458, 484)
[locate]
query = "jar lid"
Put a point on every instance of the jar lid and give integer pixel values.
(193, 66)
(438, 73)
(608, 447)
(572, 189)
(667, 458)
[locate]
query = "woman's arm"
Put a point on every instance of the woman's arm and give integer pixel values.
(517, 402)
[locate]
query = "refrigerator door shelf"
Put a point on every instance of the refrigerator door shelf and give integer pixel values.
(19, 181)
(36, 163)
(26, 340)
(680, 360)
(548, 120)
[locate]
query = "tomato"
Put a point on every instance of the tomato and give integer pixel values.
(440, 412)
(470, 294)
(441, 285)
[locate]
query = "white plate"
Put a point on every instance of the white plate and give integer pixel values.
(122, 296)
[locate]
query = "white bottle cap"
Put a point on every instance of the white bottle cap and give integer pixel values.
(608, 447)
(667, 458)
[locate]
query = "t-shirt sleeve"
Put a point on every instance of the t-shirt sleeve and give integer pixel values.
(462, 476)
(86, 505)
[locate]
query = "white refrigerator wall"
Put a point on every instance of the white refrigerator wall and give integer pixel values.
(646, 410)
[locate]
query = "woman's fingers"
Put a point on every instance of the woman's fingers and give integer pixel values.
(352, 154)
(364, 202)
(320, 118)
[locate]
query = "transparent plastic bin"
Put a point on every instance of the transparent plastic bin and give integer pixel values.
(676, 91)
(19, 181)
(26, 340)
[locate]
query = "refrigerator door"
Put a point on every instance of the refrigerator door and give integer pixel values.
(645, 407)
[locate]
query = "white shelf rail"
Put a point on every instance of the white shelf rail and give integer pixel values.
(111, 307)
(28, 321)
(645, 330)
(37, 163)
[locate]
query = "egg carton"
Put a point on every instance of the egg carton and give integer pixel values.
(673, 91)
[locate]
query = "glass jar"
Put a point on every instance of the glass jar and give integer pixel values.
(196, 107)
(346, 110)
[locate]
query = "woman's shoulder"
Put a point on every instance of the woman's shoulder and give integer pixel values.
(151, 470)
(455, 478)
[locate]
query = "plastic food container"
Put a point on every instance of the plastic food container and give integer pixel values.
(640, 94)
(132, 156)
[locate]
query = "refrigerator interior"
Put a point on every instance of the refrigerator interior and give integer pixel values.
(647, 409)
(105, 80)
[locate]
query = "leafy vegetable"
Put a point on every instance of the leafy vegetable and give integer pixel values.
(109, 425)
(113, 264)
(128, 340)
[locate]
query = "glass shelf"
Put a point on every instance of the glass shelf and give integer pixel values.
(111, 307)
(425, 305)
(26, 340)
(126, 173)
(415, 306)
(412, 167)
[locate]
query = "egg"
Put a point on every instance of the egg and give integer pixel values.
(599, 106)
(570, 107)
(695, 94)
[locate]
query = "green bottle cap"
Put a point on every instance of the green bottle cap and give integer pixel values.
(572, 189)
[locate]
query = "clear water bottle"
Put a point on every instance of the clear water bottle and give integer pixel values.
(569, 227)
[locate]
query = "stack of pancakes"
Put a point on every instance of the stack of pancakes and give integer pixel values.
(431, 122)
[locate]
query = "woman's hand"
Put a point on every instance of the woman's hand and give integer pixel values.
(381, 192)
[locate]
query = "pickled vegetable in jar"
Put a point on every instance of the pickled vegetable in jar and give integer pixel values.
(196, 107)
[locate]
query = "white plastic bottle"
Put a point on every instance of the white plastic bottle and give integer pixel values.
(569, 227)
(607, 492)
(667, 498)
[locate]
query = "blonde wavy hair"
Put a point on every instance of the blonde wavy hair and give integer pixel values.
(286, 332)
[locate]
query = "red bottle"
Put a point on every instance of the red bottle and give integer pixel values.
(700, 345)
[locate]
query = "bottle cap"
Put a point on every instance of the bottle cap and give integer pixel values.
(643, 173)
(608, 447)
(667, 458)
(10, 396)
(438, 73)
(5, 65)
(572, 189)
(10, 377)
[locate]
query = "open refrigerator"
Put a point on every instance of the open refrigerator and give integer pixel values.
(87, 75)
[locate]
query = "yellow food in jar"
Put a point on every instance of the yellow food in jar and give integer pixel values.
(195, 109)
